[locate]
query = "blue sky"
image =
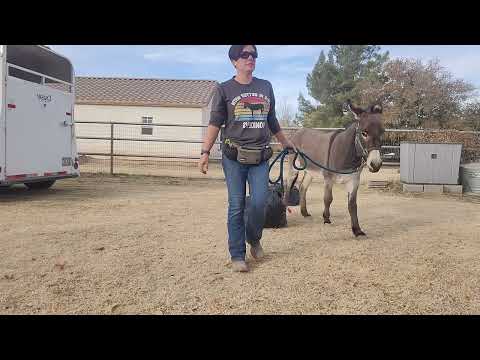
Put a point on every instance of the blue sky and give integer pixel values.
(285, 66)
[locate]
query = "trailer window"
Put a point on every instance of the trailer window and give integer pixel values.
(58, 85)
(24, 75)
(40, 60)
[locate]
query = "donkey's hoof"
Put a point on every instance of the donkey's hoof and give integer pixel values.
(306, 214)
(358, 233)
(326, 221)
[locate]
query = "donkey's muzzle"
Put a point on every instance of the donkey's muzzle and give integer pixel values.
(374, 168)
(374, 161)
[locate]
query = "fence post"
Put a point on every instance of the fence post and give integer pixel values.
(111, 149)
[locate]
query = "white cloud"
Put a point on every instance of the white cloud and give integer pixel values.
(283, 52)
(292, 68)
(217, 54)
(463, 66)
(195, 54)
(288, 88)
(461, 61)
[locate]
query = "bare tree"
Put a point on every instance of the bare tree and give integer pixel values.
(418, 95)
(471, 115)
(285, 113)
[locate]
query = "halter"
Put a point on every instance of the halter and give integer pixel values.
(362, 152)
(360, 146)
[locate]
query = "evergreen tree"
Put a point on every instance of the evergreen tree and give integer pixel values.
(334, 79)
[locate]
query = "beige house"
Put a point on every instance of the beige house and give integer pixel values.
(146, 102)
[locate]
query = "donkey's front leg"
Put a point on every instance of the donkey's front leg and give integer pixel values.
(352, 189)
(327, 199)
(307, 179)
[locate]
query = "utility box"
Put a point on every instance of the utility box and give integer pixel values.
(429, 163)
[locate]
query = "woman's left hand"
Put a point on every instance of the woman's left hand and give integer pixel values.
(290, 145)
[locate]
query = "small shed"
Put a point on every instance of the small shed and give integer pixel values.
(433, 163)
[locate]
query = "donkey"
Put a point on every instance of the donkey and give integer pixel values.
(356, 146)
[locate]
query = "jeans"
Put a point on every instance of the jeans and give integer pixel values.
(239, 232)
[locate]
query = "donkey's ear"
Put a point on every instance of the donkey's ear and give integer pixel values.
(376, 109)
(354, 109)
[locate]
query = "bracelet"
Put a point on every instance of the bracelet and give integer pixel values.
(204, 152)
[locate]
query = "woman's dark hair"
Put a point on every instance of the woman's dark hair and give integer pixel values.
(235, 50)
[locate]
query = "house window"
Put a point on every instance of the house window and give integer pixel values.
(147, 130)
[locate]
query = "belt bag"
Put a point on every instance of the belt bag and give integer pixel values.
(248, 155)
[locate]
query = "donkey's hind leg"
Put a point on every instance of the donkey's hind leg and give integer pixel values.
(307, 180)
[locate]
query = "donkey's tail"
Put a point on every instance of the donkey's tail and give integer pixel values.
(293, 183)
(288, 191)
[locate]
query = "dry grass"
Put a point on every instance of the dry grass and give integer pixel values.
(139, 245)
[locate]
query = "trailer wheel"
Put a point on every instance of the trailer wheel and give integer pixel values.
(40, 185)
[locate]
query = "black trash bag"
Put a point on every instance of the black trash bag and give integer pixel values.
(275, 210)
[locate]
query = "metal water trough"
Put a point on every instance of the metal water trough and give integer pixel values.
(470, 177)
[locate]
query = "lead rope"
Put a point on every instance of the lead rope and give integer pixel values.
(358, 146)
(304, 157)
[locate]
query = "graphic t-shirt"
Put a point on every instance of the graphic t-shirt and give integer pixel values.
(246, 110)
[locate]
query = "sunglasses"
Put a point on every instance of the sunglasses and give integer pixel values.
(247, 54)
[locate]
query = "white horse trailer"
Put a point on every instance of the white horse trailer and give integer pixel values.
(37, 132)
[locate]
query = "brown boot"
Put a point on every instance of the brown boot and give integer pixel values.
(239, 266)
(257, 251)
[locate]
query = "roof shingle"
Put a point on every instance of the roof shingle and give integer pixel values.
(143, 92)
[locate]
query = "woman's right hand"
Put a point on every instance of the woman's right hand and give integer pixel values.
(203, 163)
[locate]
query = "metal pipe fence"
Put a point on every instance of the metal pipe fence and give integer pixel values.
(173, 149)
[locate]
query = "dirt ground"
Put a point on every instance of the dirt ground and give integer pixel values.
(150, 245)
